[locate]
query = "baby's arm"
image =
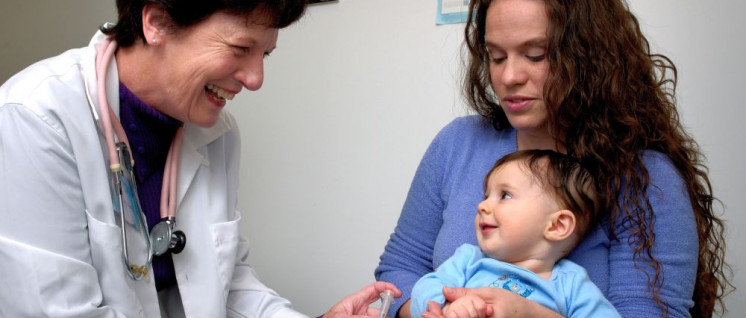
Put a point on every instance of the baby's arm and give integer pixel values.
(451, 273)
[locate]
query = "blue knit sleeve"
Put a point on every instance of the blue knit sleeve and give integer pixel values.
(676, 247)
(408, 254)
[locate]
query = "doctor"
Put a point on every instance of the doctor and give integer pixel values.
(77, 218)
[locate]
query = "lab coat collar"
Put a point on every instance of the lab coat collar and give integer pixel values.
(88, 66)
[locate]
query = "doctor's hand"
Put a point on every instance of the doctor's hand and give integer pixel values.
(358, 304)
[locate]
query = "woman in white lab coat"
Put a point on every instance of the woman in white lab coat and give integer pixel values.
(61, 247)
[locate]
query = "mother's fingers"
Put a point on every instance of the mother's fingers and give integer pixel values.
(487, 294)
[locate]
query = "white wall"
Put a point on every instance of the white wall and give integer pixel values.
(353, 95)
(32, 30)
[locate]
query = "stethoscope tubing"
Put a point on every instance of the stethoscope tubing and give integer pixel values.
(103, 58)
(112, 127)
(168, 187)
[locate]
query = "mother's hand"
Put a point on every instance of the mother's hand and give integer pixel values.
(358, 304)
(504, 303)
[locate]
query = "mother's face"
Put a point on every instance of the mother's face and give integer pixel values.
(516, 39)
(206, 64)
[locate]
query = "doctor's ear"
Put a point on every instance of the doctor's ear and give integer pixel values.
(561, 226)
(155, 23)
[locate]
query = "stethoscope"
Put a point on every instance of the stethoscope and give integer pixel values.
(162, 237)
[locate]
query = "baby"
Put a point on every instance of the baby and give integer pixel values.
(538, 206)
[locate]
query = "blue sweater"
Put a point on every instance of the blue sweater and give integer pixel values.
(568, 291)
(439, 211)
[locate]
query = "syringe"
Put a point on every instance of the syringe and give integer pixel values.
(386, 299)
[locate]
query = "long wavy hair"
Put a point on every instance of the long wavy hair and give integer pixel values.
(608, 98)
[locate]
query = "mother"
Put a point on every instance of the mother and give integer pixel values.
(177, 64)
(577, 77)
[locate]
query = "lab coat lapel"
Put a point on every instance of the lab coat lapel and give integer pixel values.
(194, 153)
(191, 160)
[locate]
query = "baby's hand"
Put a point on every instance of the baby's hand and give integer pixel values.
(469, 306)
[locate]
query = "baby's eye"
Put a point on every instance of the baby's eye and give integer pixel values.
(505, 195)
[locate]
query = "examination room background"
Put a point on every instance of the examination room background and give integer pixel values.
(352, 97)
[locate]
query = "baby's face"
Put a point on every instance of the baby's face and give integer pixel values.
(516, 211)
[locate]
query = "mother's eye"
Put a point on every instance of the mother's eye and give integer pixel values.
(497, 60)
(535, 58)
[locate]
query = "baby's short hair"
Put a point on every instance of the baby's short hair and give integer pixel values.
(569, 183)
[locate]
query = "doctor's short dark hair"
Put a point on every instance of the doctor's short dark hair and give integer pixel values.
(566, 180)
(184, 13)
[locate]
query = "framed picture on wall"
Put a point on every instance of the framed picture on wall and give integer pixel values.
(452, 11)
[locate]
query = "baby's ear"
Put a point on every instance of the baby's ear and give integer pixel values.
(561, 226)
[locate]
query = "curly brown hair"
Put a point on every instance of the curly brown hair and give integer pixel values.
(608, 98)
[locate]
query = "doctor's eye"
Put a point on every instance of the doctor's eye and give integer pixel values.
(241, 50)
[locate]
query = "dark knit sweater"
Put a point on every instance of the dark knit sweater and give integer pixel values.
(150, 133)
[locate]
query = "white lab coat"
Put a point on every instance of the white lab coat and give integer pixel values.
(60, 247)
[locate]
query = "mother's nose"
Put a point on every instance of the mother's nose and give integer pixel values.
(513, 72)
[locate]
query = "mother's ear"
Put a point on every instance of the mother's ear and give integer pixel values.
(561, 226)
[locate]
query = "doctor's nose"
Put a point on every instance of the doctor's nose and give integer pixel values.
(251, 74)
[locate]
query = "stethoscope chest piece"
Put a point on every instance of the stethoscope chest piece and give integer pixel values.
(165, 239)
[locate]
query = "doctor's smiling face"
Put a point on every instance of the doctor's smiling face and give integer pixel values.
(204, 65)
